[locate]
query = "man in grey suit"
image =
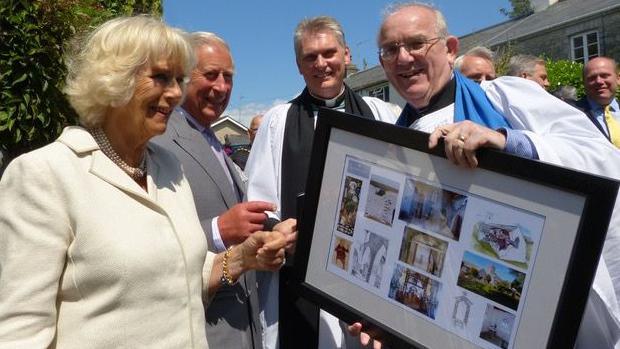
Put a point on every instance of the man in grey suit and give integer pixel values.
(218, 187)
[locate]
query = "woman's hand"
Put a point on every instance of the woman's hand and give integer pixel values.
(266, 250)
(289, 229)
(262, 250)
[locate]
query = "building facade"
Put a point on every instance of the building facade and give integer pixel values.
(227, 127)
(576, 30)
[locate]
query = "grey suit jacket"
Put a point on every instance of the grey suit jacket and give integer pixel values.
(232, 315)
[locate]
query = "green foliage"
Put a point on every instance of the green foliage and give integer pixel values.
(561, 72)
(564, 72)
(33, 36)
(520, 8)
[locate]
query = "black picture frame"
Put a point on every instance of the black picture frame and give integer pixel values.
(597, 193)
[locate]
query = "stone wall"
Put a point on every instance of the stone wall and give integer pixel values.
(556, 43)
(611, 25)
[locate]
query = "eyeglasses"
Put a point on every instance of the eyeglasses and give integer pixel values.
(390, 51)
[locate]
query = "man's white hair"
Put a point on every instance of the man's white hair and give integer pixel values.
(478, 51)
(520, 64)
(441, 27)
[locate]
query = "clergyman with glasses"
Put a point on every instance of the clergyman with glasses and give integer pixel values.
(508, 113)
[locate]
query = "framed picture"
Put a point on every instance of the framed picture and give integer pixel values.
(432, 255)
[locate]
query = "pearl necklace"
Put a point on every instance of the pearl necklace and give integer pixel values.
(137, 173)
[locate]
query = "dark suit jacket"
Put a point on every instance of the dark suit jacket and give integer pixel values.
(232, 315)
(584, 106)
(240, 156)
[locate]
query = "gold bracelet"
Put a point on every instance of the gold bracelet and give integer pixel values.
(226, 279)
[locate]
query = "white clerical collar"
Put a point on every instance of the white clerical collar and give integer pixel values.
(332, 102)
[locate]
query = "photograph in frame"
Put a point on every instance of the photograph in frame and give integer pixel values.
(442, 255)
(381, 200)
(433, 208)
(423, 251)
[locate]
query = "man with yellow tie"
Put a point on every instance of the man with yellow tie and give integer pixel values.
(601, 78)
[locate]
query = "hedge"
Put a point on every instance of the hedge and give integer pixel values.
(33, 37)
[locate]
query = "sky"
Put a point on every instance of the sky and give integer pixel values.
(260, 35)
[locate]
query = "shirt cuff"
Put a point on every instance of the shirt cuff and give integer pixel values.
(217, 238)
(518, 143)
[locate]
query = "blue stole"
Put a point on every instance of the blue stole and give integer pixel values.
(470, 103)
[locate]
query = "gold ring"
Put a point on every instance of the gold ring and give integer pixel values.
(462, 138)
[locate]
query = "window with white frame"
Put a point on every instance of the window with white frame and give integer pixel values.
(585, 46)
(382, 93)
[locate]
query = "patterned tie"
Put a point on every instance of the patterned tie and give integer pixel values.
(613, 126)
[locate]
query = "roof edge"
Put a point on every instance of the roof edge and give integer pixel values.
(228, 117)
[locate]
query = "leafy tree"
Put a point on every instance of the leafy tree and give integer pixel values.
(565, 72)
(518, 281)
(520, 8)
(561, 72)
(33, 36)
(474, 272)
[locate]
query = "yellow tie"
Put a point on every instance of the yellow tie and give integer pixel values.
(613, 126)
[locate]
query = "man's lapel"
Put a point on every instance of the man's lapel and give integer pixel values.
(238, 176)
(584, 105)
(194, 143)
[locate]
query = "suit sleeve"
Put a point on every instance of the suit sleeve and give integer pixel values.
(34, 237)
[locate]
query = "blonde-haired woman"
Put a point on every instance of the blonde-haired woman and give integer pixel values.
(100, 244)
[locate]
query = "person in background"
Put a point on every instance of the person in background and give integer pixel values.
(600, 79)
(218, 188)
(254, 125)
(100, 244)
(278, 168)
(240, 154)
(477, 64)
(529, 67)
(566, 93)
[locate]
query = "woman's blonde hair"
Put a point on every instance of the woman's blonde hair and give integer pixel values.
(104, 64)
